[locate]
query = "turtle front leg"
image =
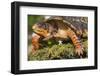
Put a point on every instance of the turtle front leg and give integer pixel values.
(77, 43)
(35, 42)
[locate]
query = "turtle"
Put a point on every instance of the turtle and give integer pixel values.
(59, 28)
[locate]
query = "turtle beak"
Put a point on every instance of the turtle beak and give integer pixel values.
(33, 27)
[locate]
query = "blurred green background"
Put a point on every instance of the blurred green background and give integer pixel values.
(32, 19)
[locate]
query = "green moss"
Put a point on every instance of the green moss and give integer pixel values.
(56, 51)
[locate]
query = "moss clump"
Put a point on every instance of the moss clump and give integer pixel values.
(63, 51)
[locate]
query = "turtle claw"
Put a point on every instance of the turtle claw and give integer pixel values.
(79, 52)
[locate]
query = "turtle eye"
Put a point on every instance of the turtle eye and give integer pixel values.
(46, 26)
(39, 25)
(43, 25)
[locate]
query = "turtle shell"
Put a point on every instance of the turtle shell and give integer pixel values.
(77, 24)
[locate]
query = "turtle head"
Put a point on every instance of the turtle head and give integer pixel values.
(41, 28)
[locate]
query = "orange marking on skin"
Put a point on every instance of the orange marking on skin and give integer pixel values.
(75, 41)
